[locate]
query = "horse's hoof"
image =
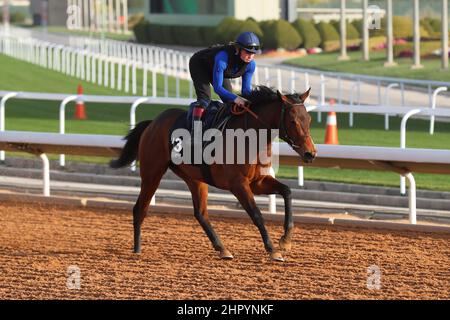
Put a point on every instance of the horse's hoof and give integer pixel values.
(225, 255)
(276, 256)
(285, 244)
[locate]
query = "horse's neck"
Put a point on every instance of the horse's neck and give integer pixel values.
(268, 119)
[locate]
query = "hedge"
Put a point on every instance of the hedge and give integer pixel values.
(352, 32)
(141, 31)
(308, 32)
(250, 25)
(334, 45)
(187, 36)
(161, 34)
(279, 34)
(135, 19)
(426, 47)
(327, 32)
(227, 29)
(208, 35)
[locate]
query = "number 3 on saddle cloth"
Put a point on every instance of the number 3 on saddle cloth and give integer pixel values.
(215, 116)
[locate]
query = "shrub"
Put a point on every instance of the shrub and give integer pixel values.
(377, 43)
(249, 25)
(352, 32)
(187, 36)
(358, 24)
(209, 36)
(161, 34)
(227, 29)
(436, 25)
(141, 31)
(402, 27)
(327, 32)
(425, 24)
(135, 19)
(308, 32)
(335, 45)
(426, 48)
(280, 34)
(17, 17)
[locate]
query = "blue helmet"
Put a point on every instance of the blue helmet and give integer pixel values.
(249, 42)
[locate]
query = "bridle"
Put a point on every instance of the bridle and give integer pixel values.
(238, 110)
(283, 132)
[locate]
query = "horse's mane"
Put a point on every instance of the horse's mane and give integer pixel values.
(263, 94)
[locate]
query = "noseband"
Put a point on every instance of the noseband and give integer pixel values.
(283, 132)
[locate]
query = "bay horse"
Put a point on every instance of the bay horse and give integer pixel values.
(149, 143)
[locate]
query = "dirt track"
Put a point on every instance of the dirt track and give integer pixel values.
(39, 242)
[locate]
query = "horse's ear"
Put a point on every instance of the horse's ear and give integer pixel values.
(305, 95)
(282, 97)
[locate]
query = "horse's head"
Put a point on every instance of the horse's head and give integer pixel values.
(294, 125)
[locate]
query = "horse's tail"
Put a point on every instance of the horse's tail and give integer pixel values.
(130, 150)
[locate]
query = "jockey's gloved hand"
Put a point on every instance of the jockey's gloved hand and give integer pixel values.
(241, 102)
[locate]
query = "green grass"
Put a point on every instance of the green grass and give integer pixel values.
(328, 62)
(17, 75)
(114, 119)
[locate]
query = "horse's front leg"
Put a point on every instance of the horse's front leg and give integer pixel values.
(243, 192)
(269, 185)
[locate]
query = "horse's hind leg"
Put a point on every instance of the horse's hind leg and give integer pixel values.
(149, 184)
(199, 192)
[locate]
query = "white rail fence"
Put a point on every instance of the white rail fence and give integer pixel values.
(134, 102)
(405, 112)
(403, 161)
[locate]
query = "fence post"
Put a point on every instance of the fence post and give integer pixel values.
(127, 76)
(433, 106)
(62, 122)
(387, 103)
(2, 116)
(113, 74)
(45, 174)
(322, 97)
(134, 78)
(154, 82)
(403, 142)
(100, 71)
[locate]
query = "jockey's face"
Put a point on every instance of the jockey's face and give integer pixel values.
(246, 56)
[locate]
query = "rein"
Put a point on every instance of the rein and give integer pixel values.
(239, 110)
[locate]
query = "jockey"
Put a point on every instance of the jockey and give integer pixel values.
(217, 65)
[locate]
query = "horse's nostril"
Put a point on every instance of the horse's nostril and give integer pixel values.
(309, 156)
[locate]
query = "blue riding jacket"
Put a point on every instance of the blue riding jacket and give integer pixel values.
(220, 66)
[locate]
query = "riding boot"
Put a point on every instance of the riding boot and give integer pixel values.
(196, 129)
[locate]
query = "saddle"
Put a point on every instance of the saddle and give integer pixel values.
(216, 116)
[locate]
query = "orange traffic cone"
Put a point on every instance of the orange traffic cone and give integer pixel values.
(331, 134)
(80, 113)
